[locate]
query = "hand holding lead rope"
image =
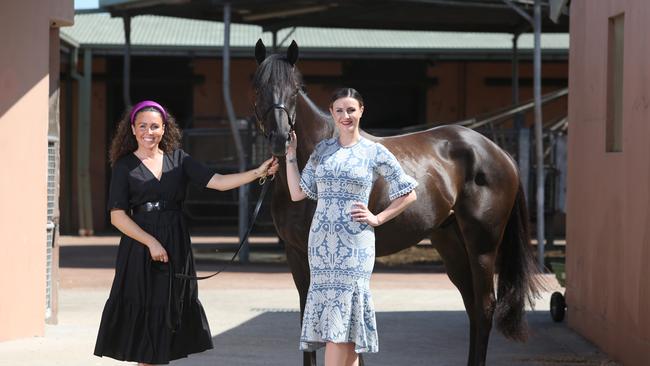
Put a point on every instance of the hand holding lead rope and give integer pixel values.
(263, 178)
(268, 168)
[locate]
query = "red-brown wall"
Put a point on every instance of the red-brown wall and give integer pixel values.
(608, 224)
(460, 92)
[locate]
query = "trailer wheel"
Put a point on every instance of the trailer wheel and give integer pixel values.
(558, 307)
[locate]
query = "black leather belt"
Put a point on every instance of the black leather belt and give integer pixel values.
(154, 206)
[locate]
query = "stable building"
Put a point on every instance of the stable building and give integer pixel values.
(407, 78)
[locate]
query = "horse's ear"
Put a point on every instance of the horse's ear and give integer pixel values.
(292, 53)
(260, 51)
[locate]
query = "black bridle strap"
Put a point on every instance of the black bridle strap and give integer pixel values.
(260, 121)
(256, 211)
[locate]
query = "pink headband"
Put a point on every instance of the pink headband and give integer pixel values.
(144, 104)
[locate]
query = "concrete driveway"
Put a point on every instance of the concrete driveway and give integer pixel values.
(254, 318)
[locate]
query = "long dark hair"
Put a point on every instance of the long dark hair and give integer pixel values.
(346, 93)
(124, 142)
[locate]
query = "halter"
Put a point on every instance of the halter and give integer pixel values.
(274, 106)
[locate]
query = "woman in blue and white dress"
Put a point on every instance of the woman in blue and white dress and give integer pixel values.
(339, 313)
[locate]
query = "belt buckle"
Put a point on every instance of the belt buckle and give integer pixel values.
(150, 206)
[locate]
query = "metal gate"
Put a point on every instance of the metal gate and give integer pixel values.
(52, 168)
(214, 147)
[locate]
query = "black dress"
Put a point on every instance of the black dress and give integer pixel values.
(150, 316)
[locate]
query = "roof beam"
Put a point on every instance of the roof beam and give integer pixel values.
(287, 13)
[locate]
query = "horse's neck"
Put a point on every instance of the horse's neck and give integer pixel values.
(312, 125)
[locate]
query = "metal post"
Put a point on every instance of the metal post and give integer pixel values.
(241, 155)
(523, 156)
(522, 134)
(126, 76)
(536, 22)
(539, 148)
(66, 217)
(275, 40)
(515, 80)
(83, 145)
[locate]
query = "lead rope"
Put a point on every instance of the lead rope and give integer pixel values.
(265, 183)
(265, 187)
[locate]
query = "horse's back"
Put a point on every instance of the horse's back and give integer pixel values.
(451, 164)
(456, 152)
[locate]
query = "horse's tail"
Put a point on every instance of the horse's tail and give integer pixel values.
(517, 282)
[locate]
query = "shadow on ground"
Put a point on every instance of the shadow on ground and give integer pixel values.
(406, 338)
(214, 257)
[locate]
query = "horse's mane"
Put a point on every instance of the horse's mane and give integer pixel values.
(276, 68)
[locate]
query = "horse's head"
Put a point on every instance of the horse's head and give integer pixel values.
(277, 84)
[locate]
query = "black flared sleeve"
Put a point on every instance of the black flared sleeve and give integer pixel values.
(197, 172)
(118, 194)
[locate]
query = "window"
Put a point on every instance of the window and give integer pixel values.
(614, 130)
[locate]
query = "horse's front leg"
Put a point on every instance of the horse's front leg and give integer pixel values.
(299, 266)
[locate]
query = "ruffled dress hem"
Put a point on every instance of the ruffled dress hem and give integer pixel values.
(127, 320)
(359, 316)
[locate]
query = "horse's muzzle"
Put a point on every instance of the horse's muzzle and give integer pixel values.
(279, 144)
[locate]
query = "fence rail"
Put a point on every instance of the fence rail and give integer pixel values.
(214, 147)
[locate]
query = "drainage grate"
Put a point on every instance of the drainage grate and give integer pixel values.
(275, 310)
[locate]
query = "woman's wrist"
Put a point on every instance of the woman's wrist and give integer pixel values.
(150, 242)
(379, 219)
(291, 156)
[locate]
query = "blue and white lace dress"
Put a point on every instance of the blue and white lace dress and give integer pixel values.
(341, 251)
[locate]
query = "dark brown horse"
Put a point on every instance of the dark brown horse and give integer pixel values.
(470, 204)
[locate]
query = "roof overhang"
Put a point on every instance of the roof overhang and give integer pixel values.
(438, 15)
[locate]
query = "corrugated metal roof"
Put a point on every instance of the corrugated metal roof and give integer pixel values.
(149, 30)
(100, 30)
(367, 38)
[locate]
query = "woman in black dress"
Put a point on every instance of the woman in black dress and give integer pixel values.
(150, 316)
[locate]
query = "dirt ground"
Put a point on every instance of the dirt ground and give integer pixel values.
(422, 254)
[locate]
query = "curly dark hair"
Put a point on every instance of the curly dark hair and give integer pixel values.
(124, 142)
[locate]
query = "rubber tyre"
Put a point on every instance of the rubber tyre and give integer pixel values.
(558, 307)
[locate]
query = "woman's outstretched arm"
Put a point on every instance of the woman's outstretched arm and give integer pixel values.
(224, 182)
